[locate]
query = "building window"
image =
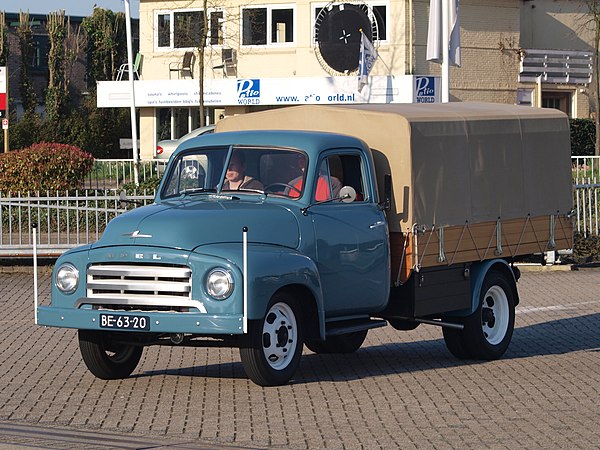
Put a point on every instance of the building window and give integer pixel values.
(560, 100)
(40, 53)
(183, 29)
(267, 25)
(378, 12)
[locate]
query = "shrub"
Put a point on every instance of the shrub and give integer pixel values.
(583, 137)
(148, 185)
(44, 167)
(585, 249)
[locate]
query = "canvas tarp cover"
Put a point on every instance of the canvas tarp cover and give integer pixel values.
(450, 163)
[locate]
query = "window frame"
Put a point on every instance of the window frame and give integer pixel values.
(172, 13)
(317, 6)
(367, 188)
(270, 8)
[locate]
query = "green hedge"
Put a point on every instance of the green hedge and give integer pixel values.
(583, 137)
(44, 167)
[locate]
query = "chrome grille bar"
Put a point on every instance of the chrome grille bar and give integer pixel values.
(139, 284)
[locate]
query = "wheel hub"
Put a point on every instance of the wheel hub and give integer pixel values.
(495, 315)
(488, 317)
(279, 335)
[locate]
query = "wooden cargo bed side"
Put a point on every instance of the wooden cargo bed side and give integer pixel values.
(479, 242)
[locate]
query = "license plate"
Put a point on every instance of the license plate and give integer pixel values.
(124, 322)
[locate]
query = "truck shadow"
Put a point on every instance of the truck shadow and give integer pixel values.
(549, 338)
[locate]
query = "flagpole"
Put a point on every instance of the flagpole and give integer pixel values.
(445, 51)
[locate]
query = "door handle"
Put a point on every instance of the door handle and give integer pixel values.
(379, 223)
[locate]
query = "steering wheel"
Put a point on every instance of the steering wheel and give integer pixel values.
(286, 185)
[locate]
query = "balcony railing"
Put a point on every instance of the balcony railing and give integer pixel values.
(556, 66)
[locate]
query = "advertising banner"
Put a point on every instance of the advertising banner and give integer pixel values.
(270, 91)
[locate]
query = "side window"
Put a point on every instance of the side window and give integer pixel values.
(337, 171)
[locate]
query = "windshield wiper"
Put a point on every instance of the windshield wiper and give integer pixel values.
(198, 190)
(258, 191)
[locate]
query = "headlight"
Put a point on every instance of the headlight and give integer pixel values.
(67, 278)
(219, 284)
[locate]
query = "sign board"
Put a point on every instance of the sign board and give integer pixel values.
(270, 91)
(5, 124)
(3, 93)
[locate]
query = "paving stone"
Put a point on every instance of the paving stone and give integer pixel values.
(401, 390)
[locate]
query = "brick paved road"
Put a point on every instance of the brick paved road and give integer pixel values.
(401, 390)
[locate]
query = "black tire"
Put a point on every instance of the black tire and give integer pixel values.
(106, 359)
(276, 343)
(488, 331)
(344, 343)
(454, 340)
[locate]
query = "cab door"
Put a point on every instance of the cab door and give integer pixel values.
(352, 250)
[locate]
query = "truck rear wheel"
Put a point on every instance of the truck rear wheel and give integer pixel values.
(488, 331)
(276, 343)
(106, 359)
(343, 343)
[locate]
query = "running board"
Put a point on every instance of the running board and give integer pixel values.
(352, 326)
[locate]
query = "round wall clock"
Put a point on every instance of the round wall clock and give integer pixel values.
(337, 35)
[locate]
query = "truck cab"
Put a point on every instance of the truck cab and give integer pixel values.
(207, 265)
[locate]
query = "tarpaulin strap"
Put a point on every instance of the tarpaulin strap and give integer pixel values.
(496, 233)
(462, 233)
(552, 240)
(426, 246)
(522, 233)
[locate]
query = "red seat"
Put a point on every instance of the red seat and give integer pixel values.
(323, 192)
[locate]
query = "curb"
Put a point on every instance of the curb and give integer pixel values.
(532, 267)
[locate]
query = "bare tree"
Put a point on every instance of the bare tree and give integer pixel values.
(202, 31)
(65, 45)
(25, 33)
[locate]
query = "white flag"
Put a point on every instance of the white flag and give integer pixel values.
(366, 60)
(434, 34)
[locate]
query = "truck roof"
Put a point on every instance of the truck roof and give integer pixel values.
(450, 163)
(308, 141)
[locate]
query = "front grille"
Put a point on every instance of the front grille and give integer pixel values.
(119, 286)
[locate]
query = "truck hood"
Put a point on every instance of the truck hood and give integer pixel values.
(191, 223)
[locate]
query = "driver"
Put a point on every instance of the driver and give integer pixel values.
(236, 178)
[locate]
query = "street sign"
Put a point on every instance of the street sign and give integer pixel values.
(5, 124)
(3, 93)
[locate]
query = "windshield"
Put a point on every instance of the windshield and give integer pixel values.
(274, 171)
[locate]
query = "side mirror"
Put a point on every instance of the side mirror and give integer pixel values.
(347, 194)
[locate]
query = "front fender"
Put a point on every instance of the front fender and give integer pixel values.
(271, 268)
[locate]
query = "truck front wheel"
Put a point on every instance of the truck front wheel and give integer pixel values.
(106, 359)
(276, 343)
(488, 331)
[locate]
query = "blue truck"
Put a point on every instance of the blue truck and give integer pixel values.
(309, 226)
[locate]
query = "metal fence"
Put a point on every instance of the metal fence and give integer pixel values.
(586, 184)
(63, 219)
(116, 173)
(67, 219)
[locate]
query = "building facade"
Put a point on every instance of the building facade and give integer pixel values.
(271, 53)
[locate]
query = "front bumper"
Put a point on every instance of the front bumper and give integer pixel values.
(194, 323)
